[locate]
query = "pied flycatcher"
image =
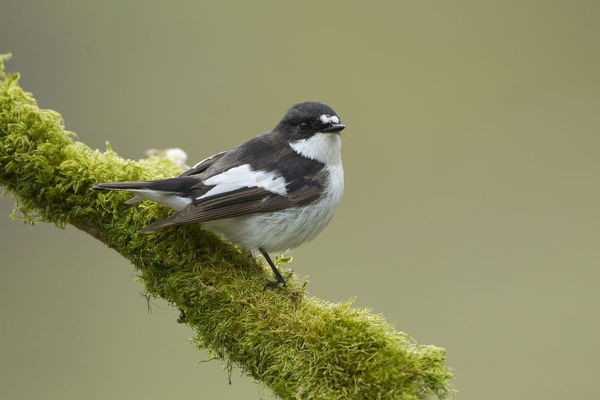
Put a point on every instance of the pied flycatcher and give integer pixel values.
(272, 193)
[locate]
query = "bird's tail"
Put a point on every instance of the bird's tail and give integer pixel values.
(171, 185)
(165, 191)
(127, 186)
(122, 186)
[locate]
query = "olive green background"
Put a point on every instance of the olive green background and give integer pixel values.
(471, 213)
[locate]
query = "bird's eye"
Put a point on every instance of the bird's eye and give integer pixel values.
(304, 126)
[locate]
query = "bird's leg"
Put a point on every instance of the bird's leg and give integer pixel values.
(280, 279)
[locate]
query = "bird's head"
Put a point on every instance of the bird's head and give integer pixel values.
(312, 129)
(304, 120)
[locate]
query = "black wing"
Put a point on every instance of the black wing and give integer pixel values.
(204, 164)
(240, 202)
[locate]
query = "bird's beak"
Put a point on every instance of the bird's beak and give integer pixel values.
(333, 128)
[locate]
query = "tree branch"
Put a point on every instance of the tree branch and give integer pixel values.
(299, 346)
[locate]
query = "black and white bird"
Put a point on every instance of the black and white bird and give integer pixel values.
(271, 193)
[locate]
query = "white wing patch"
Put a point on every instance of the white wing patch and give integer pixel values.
(243, 176)
(329, 119)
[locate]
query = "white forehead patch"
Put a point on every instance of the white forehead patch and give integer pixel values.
(329, 119)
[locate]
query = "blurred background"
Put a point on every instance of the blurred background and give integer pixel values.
(471, 217)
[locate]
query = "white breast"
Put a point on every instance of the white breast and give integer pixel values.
(286, 229)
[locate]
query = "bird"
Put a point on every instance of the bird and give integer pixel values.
(270, 194)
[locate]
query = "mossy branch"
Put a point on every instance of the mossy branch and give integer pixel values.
(300, 346)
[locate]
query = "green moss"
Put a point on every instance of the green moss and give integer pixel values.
(300, 346)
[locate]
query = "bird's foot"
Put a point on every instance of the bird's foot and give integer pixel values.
(279, 281)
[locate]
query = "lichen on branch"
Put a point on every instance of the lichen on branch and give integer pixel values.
(299, 346)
